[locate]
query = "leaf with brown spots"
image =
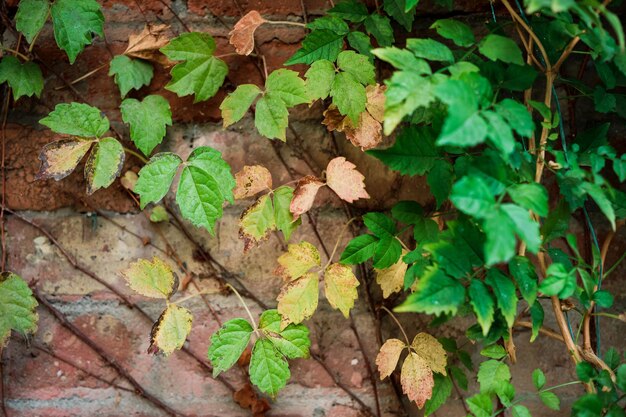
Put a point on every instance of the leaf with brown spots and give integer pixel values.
(416, 379)
(344, 180)
(146, 44)
(387, 358)
(151, 279)
(430, 350)
(391, 279)
(257, 222)
(60, 158)
(171, 330)
(340, 287)
(297, 261)
(297, 300)
(242, 35)
(304, 195)
(104, 164)
(252, 179)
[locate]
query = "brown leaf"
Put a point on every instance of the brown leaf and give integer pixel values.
(304, 195)
(334, 120)
(242, 35)
(146, 44)
(344, 180)
(376, 101)
(252, 179)
(368, 134)
(247, 398)
(430, 350)
(59, 159)
(417, 379)
(387, 358)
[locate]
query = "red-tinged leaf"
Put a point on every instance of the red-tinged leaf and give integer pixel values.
(59, 159)
(304, 195)
(387, 358)
(242, 35)
(252, 179)
(344, 180)
(417, 379)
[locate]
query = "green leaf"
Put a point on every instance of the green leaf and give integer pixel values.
(228, 343)
(539, 378)
(211, 162)
(319, 79)
(504, 290)
(398, 10)
(518, 77)
(500, 244)
(481, 405)
(472, 196)
(434, 285)
(148, 120)
(483, 305)
(603, 299)
(237, 103)
(494, 352)
(536, 315)
(156, 177)
(271, 117)
(520, 411)
(430, 49)
(171, 330)
(600, 198)
(621, 377)
(499, 133)
(288, 86)
(361, 43)
(269, 370)
(348, 95)
(408, 212)
(359, 250)
(159, 214)
(359, 66)
(104, 164)
(151, 279)
(400, 101)
(199, 197)
(319, 44)
(332, 23)
(24, 79)
(441, 392)
(491, 374)
(257, 221)
(559, 281)
(387, 252)
(74, 22)
(293, 341)
(351, 10)
(550, 400)
(379, 26)
(130, 74)
(517, 115)
(524, 273)
(463, 126)
(282, 215)
(201, 73)
(530, 196)
(496, 47)
(413, 153)
(403, 59)
(380, 225)
(17, 307)
(458, 32)
(76, 119)
(31, 16)
(525, 227)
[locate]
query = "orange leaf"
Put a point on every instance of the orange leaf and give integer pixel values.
(417, 379)
(344, 180)
(146, 44)
(251, 180)
(242, 35)
(304, 195)
(387, 358)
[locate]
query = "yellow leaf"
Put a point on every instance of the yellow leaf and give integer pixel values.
(417, 379)
(252, 179)
(387, 358)
(242, 35)
(298, 259)
(151, 279)
(376, 101)
(171, 330)
(392, 279)
(298, 299)
(344, 180)
(430, 350)
(340, 287)
(59, 159)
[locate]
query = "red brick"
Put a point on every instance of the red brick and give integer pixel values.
(274, 8)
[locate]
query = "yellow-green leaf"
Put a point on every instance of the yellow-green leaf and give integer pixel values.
(257, 222)
(17, 307)
(171, 330)
(387, 358)
(151, 279)
(391, 279)
(340, 287)
(430, 350)
(298, 299)
(298, 259)
(59, 159)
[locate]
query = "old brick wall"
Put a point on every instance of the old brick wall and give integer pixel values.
(55, 374)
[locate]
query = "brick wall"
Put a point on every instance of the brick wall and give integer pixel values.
(55, 373)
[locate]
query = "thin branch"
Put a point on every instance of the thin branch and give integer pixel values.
(395, 319)
(543, 330)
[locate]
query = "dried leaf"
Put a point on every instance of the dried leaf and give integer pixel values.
(376, 101)
(304, 195)
(417, 379)
(129, 180)
(146, 44)
(344, 180)
(151, 279)
(299, 258)
(340, 287)
(430, 350)
(298, 299)
(252, 179)
(171, 330)
(59, 159)
(367, 135)
(334, 120)
(387, 358)
(242, 35)
(247, 398)
(391, 279)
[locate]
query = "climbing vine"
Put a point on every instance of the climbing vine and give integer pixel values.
(480, 116)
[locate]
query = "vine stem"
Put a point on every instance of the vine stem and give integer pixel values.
(398, 323)
(136, 155)
(241, 300)
(343, 231)
(85, 76)
(194, 295)
(16, 52)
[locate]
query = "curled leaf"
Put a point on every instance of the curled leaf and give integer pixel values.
(171, 330)
(340, 287)
(252, 179)
(151, 279)
(242, 35)
(59, 159)
(146, 44)
(304, 195)
(417, 379)
(297, 261)
(344, 180)
(387, 358)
